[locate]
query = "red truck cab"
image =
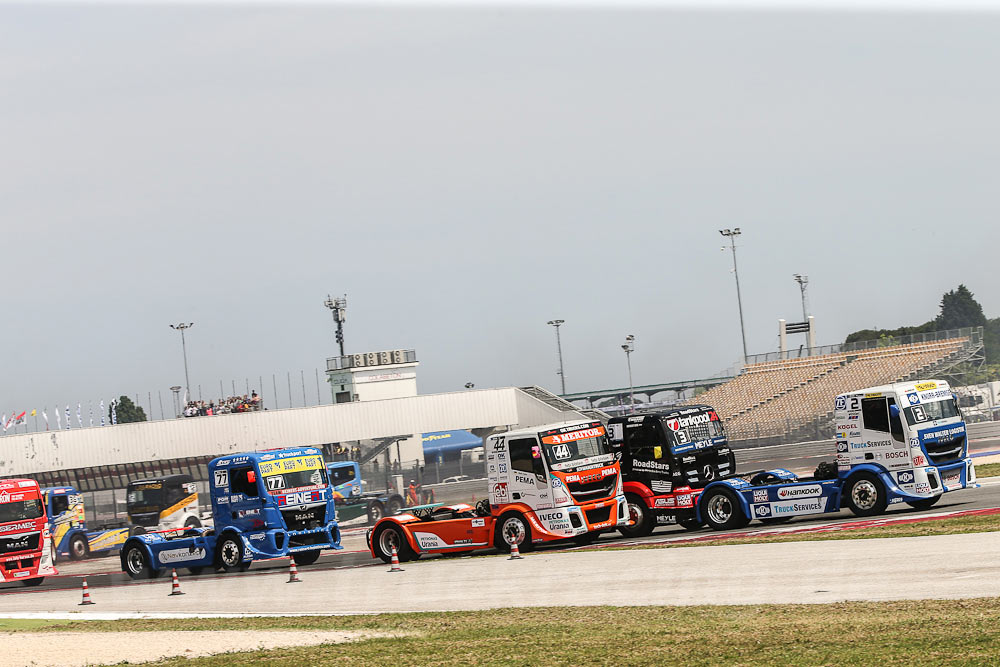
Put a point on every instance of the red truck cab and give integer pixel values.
(27, 553)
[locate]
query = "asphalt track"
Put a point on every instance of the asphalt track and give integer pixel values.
(106, 572)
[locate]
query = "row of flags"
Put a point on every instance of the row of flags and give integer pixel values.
(17, 419)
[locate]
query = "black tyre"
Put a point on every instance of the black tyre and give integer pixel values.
(376, 510)
(136, 530)
(305, 557)
(229, 555)
(394, 505)
(512, 528)
(78, 547)
(585, 539)
(135, 562)
(387, 537)
(865, 495)
(722, 510)
(192, 522)
(926, 503)
(31, 583)
(640, 517)
(690, 523)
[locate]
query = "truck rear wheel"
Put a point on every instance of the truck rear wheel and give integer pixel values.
(192, 522)
(78, 547)
(386, 538)
(512, 529)
(924, 504)
(866, 495)
(394, 504)
(135, 562)
(640, 518)
(305, 557)
(722, 511)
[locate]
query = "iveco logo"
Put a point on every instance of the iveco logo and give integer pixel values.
(708, 473)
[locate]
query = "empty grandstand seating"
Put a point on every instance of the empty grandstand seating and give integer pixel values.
(781, 396)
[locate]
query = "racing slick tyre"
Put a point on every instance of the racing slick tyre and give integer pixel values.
(866, 495)
(37, 581)
(375, 512)
(229, 555)
(305, 557)
(78, 547)
(192, 522)
(691, 523)
(640, 518)
(510, 529)
(722, 510)
(925, 504)
(136, 563)
(390, 536)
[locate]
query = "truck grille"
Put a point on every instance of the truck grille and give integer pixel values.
(585, 492)
(699, 469)
(599, 515)
(308, 538)
(307, 519)
(15, 543)
(940, 453)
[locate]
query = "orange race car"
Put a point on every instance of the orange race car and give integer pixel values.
(433, 529)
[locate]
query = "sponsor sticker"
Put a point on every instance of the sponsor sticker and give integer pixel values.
(583, 434)
(807, 491)
(180, 555)
(500, 491)
(926, 386)
(905, 477)
(760, 495)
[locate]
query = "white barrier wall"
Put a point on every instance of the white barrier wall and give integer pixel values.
(203, 436)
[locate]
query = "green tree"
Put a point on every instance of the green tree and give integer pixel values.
(960, 309)
(127, 411)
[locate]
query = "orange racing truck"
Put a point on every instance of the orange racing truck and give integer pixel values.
(27, 553)
(547, 483)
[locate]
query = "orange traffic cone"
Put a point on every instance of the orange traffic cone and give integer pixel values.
(293, 573)
(86, 594)
(175, 585)
(395, 562)
(515, 552)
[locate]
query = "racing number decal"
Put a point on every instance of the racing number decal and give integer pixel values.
(222, 478)
(918, 413)
(855, 403)
(275, 482)
(561, 452)
(682, 437)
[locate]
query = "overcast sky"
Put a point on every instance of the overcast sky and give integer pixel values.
(465, 175)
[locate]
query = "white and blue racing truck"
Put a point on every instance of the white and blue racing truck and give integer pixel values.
(899, 443)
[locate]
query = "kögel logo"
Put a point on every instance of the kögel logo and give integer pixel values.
(683, 422)
(810, 491)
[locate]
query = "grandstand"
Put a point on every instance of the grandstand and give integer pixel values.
(784, 398)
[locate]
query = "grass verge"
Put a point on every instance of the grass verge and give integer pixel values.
(930, 632)
(987, 469)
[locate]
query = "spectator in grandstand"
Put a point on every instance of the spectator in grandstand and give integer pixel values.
(225, 406)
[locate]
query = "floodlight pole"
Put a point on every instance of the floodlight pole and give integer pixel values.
(802, 281)
(628, 346)
(561, 373)
(187, 381)
(338, 307)
(731, 234)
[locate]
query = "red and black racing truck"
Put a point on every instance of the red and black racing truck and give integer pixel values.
(667, 458)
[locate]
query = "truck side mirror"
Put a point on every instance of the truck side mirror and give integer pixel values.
(657, 452)
(251, 477)
(894, 411)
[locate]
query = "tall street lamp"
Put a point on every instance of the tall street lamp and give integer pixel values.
(629, 346)
(181, 327)
(560, 373)
(338, 307)
(731, 234)
(802, 281)
(177, 401)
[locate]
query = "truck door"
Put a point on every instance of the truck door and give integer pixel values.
(245, 502)
(528, 480)
(649, 454)
(884, 441)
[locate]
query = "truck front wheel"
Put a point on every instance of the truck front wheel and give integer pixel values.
(640, 519)
(394, 504)
(512, 529)
(866, 495)
(136, 563)
(37, 581)
(722, 510)
(375, 512)
(229, 555)
(78, 547)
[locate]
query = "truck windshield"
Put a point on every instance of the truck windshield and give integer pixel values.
(144, 497)
(577, 448)
(293, 473)
(925, 412)
(21, 510)
(693, 428)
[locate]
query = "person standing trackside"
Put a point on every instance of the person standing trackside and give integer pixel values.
(411, 494)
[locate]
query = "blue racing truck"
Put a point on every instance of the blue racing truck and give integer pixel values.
(68, 520)
(899, 443)
(264, 504)
(353, 501)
